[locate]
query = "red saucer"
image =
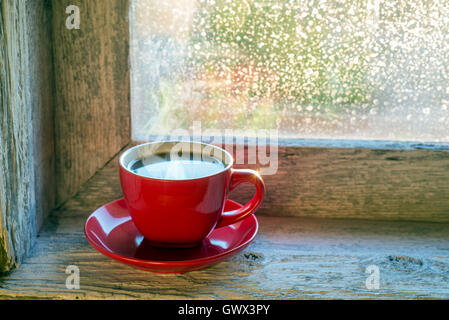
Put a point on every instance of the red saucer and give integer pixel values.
(111, 231)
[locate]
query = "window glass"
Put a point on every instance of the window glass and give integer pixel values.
(310, 69)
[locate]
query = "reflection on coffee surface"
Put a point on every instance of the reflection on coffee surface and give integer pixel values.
(182, 167)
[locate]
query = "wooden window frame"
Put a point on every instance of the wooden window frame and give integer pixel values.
(80, 120)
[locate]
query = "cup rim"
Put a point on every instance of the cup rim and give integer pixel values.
(126, 152)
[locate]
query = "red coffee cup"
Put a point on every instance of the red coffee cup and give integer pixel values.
(181, 213)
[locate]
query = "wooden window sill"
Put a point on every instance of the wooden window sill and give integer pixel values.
(76, 126)
(291, 258)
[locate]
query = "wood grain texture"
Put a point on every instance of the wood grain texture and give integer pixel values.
(92, 109)
(358, 183)
(41, 85)
(291, 258)
(26, 148)
(381, 181)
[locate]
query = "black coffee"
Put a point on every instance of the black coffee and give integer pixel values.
(162, 166)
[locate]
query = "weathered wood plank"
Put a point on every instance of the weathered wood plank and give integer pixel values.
(358, 183)
(396, 181)
(92, 109)
(41, 85)
(291, 258)
(26, 128)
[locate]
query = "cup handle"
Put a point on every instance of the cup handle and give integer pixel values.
(239, 176)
